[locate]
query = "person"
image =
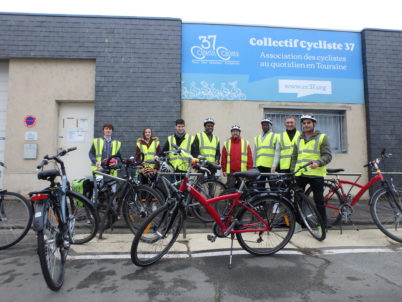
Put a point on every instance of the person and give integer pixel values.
(148, 145)
(312, 146)
(264, 149)
(206, 143)
(284, 146)
(182, 139)
(236, 155)
(104, 147)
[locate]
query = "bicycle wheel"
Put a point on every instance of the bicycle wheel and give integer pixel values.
(332, 200)
(309, 214)
(209, 188)
(51, 251)
(386, 213)
(278, 214)
(83, 219)
(138, 204)
(157, 235)
(15, 218)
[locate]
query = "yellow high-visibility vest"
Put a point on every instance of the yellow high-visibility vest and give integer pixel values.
(286, 146)
(244, 147)
(180, 161)
(149, 152)
(265, 150)
(308, 151)
(207, 147)
(98, 144)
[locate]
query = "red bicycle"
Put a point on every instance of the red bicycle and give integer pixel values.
(262, 224)
(385, 202)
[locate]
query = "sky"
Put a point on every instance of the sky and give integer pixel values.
(348, 15)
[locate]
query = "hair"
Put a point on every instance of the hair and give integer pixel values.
(107, 126)
(180, 121)
(290, 117)
(143, 132)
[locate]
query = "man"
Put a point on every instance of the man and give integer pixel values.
(206, 143)
(264, 149)
(104, 147)
(236, 155)
(285, 143)
(182, 139)
(312, 146)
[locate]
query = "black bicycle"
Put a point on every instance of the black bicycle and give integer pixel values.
(15, 217)
(62, 217)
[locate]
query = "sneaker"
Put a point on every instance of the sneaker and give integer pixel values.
(318, 229)
(298, 228)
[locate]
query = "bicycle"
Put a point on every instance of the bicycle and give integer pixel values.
(62, 217)
(248, 220)
(126, 195)
(15, 217)
(385, 202)
(203, 180)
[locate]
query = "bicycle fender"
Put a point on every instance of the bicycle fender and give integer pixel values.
(39, 216)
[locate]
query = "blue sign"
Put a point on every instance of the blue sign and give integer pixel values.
(223, 62)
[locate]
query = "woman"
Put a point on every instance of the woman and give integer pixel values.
(148, 145)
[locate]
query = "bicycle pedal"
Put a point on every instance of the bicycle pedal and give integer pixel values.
(211, 238)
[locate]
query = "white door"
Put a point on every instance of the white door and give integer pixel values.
(76, 128)
(3, 112)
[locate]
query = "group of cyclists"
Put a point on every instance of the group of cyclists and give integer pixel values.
(273, 152)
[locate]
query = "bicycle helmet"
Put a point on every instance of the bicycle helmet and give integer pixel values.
(266, 120)
(235, 127)
(308, 116)
(209, 120)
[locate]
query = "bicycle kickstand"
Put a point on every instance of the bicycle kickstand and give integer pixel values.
(231, 250)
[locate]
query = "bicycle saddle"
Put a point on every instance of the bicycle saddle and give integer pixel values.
(335, 170)
(250, 174)
(48, 174)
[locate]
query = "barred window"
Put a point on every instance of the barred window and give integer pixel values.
(331, 123)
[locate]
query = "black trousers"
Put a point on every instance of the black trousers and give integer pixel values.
(263, 178)
(317, 185)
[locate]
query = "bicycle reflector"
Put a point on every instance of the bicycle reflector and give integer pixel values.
(37, 197)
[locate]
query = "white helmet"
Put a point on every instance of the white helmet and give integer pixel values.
(266, 120)
(235, 127)
(308, 116)
(209, 120)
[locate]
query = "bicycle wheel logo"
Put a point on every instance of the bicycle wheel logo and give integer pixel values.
(209, 51)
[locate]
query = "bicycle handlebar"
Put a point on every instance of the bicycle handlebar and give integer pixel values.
(46, 158)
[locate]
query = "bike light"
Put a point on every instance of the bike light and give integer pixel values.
(39, 197)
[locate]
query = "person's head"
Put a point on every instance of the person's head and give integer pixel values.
(147, 133)
(107, 130)
(180, 126)
(290, 123)
(235, 131)
(209, 124)
(308, 122)
(266, 124)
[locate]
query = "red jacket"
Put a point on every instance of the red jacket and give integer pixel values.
(235, 156)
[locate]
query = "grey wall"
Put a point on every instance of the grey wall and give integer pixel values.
(138, 64)
(382, 61)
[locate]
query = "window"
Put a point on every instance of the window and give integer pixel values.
(328, 122)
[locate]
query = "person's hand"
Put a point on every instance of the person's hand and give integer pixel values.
(156, 157)
(314, 165)
(98, 164)
(224, 174)
(273, 169)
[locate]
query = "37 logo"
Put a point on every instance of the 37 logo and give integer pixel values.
(208, 50)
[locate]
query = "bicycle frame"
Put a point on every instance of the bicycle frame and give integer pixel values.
(206, 203)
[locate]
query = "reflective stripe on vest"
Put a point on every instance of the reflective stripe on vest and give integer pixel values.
(149, 152)
(180, 162)
(207, 147)
(308, 151)
(265, 149)
(286, 146)
(244, 147)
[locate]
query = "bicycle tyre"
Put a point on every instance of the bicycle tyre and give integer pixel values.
(138, 204)
(280, 217)
(310, 216)
(84, 222)
(15, 218)
(209, 188)
(52, 254)
(333, 201)
(386, 214)
(153, 241)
